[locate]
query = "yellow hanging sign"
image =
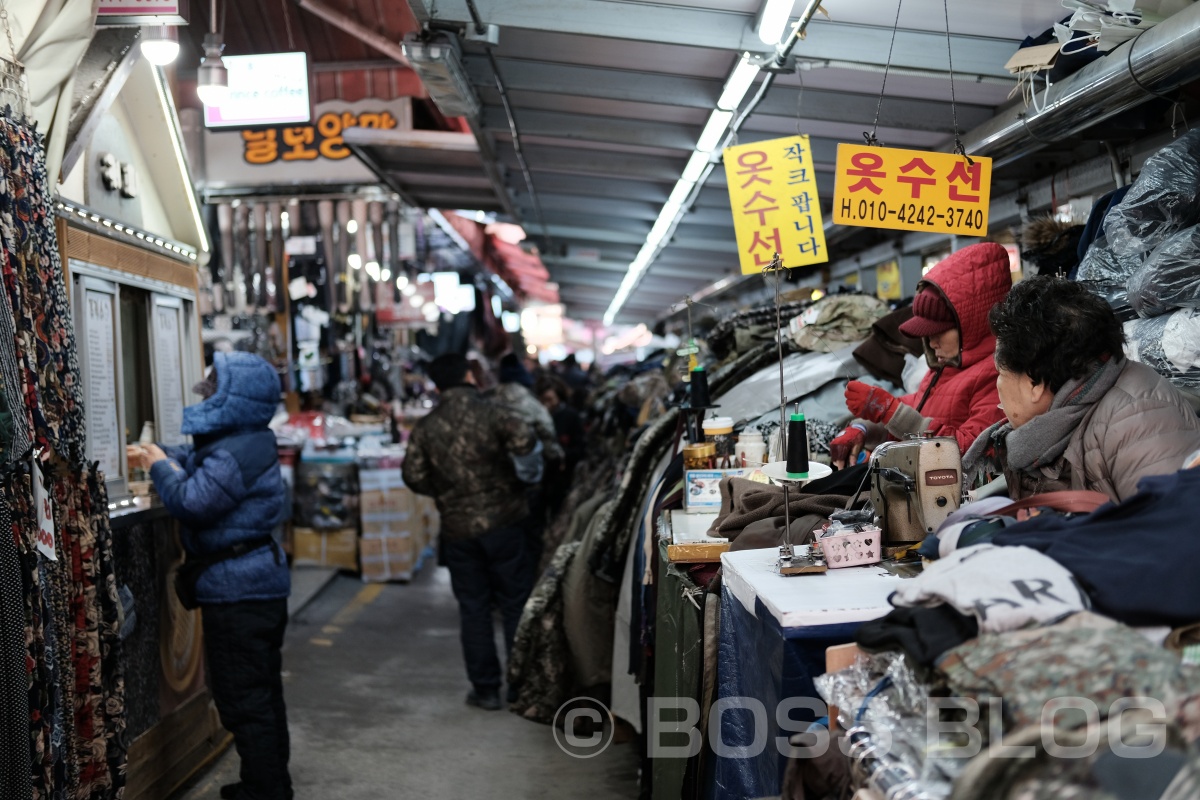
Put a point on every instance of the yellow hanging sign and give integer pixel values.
(776, 209)
(912, 190)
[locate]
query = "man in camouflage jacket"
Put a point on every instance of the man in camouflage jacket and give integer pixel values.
(475, 460)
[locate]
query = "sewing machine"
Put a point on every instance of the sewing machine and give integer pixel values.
(915, 485)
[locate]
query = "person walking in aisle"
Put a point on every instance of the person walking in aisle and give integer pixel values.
(476, 460)
(514, 393)
(227, 491)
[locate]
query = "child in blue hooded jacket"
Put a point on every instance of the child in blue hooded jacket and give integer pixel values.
(226, 491)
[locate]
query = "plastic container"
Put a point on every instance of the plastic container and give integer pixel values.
(852, 546)
(751, 449)
(719, 431)
(699, 456)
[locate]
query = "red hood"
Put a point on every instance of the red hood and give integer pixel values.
(973, 280)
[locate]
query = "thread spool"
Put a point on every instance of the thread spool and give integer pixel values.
(699, 391)
(797, 447)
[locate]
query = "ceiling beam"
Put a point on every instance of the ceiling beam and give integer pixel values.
(821, 105)
(729, 30)
(578, 161)
(587, 128)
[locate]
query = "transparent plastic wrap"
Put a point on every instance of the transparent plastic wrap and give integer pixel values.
(1169, 279)
(883, 707)
(1115, 294)
(1168, 344)
(1164, 199)
(1103, 265)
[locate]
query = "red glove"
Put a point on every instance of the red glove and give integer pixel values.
(844, 450)
(870, 402)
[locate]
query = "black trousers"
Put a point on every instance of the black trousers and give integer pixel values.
(486, 572)
(242, 642)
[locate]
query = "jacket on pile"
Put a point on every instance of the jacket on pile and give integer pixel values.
(459, 455)
(962, 397)
(519, 400)
(226, 487)
(1141, 427)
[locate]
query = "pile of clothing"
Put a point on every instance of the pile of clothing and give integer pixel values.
(1012, 617)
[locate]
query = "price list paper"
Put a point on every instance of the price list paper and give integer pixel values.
(776, 208)
(104, 429)
(168, 374)
(912, 190)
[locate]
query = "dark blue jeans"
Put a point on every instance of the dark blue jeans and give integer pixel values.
(486, 572)
(242, 644)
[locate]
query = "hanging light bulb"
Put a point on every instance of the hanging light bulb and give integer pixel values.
(352, 227)
(385, 275)
(354, 260)
(160, 45)
(408, 290)
(212, 79)
(416, 301)
(401, 282)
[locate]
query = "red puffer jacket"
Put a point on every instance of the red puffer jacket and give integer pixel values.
(961, 399)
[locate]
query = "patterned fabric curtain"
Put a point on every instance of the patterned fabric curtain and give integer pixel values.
(61, 691)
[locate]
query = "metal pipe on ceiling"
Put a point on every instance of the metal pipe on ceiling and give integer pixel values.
(339, 20)
(1159, 60)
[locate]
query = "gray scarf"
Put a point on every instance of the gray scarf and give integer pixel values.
(1041, 441)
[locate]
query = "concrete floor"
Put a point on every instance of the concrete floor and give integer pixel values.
(375, 687)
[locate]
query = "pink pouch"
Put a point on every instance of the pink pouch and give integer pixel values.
(852, 548)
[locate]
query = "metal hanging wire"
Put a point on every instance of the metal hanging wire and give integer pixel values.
(958, 145)
(14, 92)
(871, 139)
(776, 266)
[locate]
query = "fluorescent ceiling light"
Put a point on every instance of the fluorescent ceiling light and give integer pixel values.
(714, 132)
(774, 20)
(695, 167)
(679, 194)
(738, 84)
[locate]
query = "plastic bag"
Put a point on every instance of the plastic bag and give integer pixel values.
(1170, 278)
(1168, 344)
(1164, 199)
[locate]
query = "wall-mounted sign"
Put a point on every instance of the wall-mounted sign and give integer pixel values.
(141, 12)
(98, 320)
(912, 190)
(264, 89)
(310, 142)
(305, 154)
(166, 341)
(773, 192)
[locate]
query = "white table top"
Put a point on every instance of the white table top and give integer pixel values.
(853, 594)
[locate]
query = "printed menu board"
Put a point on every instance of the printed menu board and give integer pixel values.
(103, 427)
(168, 370)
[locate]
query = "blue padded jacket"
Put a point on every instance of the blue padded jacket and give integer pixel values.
(226, 487)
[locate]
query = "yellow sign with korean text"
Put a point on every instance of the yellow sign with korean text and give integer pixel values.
(776, 209)
(912, 190)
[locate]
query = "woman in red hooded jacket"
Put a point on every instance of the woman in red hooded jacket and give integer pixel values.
(958, 397)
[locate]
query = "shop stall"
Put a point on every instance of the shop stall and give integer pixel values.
(133, 245)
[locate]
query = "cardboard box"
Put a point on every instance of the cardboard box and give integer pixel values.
(370, 480)
(702, 488)
(388, 558)
(379, 529)
(387, 505)
(337, 548)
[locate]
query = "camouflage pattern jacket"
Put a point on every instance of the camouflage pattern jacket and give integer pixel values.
(460, 454)
(518, 399)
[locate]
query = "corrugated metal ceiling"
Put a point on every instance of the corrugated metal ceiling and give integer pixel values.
(609, 97)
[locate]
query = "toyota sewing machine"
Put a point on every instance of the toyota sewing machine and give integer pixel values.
(915, 484)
